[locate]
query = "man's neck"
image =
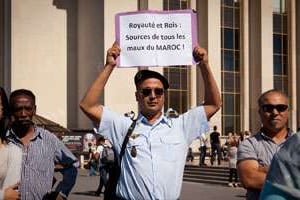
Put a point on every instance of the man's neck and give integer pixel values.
(277, 136)
(152, 117)
(25, 139)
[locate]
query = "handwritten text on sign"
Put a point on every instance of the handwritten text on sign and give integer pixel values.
(159, 38)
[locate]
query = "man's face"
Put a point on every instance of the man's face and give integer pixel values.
(23, 108)
(274, 112)
(150, 96)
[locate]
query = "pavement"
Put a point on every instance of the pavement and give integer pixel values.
(86, 186)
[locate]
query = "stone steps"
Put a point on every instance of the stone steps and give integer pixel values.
(206, 174)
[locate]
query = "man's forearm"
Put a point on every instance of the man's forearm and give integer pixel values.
(263, 169)
(90, 102)
(91, 97)
(253, 180)
(212, 94)
(68, 181)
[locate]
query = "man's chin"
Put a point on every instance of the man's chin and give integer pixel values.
(152, 112)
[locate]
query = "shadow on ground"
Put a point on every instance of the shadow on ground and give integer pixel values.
(87, 193)
(241, 196)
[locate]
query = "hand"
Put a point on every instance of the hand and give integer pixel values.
(11, 193)
(264, 169)
(60, 197)
(112, 55)
(200, 55)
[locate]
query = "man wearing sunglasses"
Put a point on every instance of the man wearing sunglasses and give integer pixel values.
(153, 163)
(256, 152)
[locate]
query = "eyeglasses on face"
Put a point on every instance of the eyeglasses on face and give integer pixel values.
(147, 91)
(270, 107)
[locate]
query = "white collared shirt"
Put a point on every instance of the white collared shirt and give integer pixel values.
(156, 171)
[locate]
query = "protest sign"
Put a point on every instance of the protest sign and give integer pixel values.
(156, 38)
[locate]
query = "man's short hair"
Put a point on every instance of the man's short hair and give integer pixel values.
(101, 139)
(215, 127)
(142, 75)
(4, 100)
(261, 97)
(21, 92)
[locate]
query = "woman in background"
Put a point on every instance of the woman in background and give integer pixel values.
(10, 154)
(232, 143)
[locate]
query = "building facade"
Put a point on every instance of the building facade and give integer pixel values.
(56, 48)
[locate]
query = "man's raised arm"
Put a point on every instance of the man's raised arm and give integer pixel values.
(212, 99)
(90, 104)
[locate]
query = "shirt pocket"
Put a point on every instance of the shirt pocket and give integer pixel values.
(137, 145)
(171, 148)
(41, 166)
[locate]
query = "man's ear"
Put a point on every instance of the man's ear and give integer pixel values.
(136, 96)
(34, 109)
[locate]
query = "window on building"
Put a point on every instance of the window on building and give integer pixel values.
(178, 95)
(176, 4)
(280, 46)
(230, 69)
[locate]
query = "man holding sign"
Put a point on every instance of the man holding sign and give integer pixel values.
(153, 164)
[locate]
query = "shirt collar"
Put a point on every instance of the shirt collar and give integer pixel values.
(162, 119)
(14, 138)
(264, 136)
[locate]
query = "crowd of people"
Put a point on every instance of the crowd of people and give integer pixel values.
(150, 141)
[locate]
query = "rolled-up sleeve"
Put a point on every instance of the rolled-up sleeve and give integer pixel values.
(65, 157)
(114, 126)
(246, 151)
(195, 123)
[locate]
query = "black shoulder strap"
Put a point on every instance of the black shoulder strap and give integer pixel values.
(126, 139)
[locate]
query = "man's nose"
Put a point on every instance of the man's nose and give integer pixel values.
(23, 112)
(152, 94)
(275, 111)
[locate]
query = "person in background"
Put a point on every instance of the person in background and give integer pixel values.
(256, 152)
(190, 155)
(247, 134)
(202, 149)
(232, 144)
(92, 161)
(241, 136)
(215, 146)
(103, 168)
(41, 151)
(153, 164)
(10, 156)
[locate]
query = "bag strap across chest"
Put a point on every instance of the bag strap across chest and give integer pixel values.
(126, 139)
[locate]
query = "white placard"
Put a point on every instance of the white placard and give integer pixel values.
(156, 38)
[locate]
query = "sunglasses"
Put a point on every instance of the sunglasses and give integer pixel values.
(270, 107)
(147, 91)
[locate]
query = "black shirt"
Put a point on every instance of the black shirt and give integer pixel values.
(214, 137)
